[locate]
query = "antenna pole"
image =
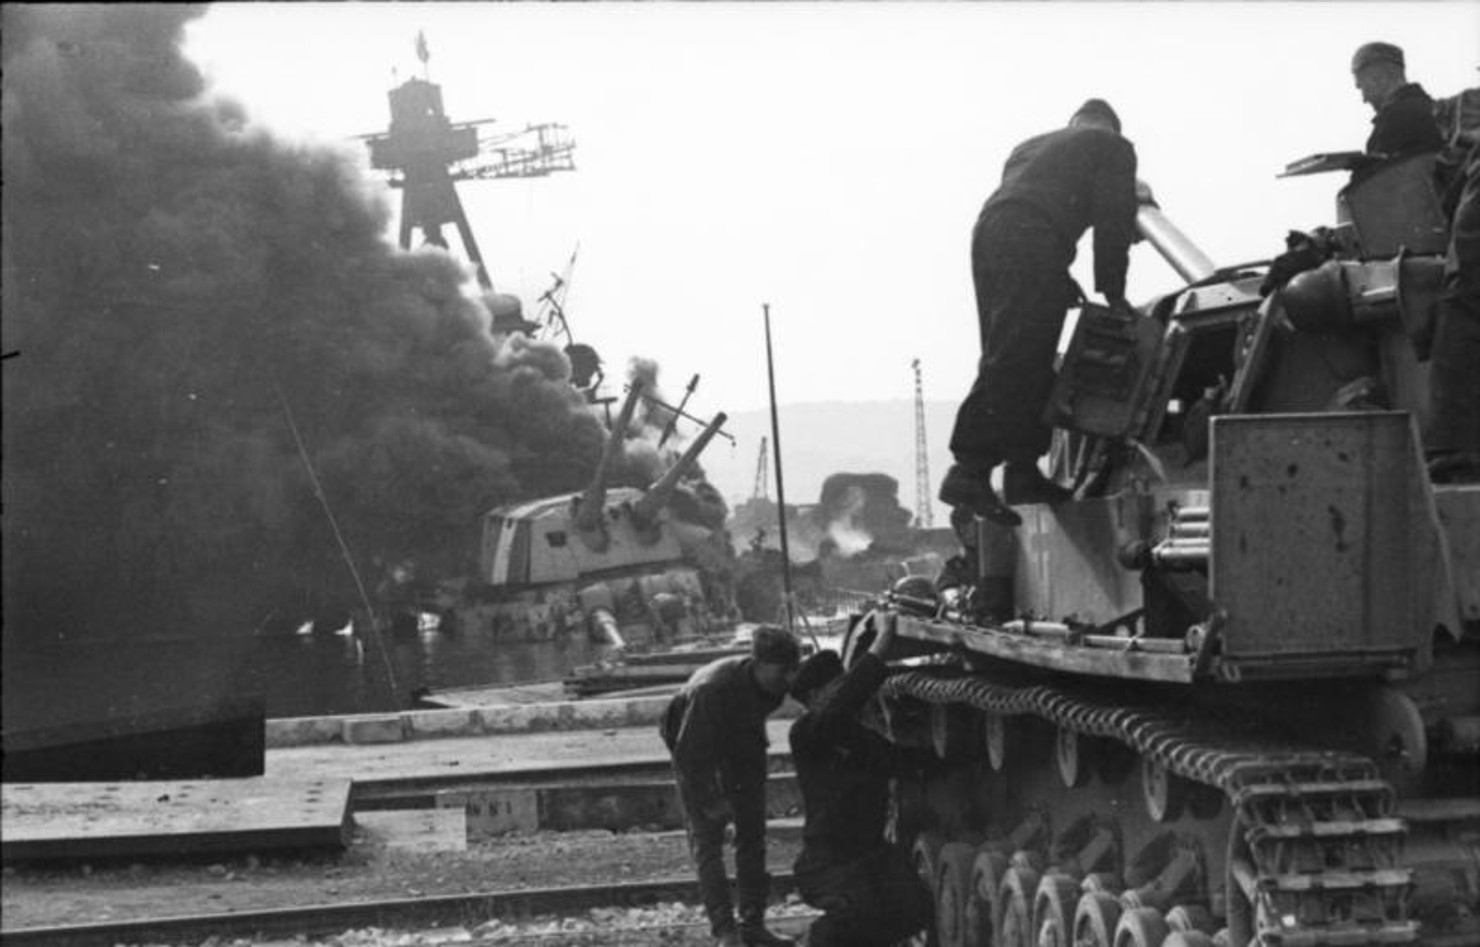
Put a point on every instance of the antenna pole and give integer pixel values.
(780, 485)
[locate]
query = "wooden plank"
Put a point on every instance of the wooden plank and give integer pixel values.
(126, 819)
(1039, 652)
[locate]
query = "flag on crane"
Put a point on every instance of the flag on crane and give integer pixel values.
(422, 52)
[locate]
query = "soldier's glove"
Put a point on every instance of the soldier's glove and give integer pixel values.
(1303, 252)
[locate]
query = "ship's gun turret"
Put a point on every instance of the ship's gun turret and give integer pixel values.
(645, 510)
(587, 518)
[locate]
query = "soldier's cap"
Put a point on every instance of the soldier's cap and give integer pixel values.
(773, 644)
(1098, 108)
(815, 673)
(1369, 54)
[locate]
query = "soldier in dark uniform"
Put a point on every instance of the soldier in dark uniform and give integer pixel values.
(1452, 439)
(715, 728)
(1403, 120)
(1054, 187)
(867, 888)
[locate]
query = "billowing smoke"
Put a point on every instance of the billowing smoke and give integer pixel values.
(216, 344)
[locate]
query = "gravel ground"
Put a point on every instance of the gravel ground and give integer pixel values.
(39, 897)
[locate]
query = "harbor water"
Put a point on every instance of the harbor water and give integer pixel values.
(53, 684)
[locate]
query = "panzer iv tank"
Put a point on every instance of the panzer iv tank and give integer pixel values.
(1229, 693)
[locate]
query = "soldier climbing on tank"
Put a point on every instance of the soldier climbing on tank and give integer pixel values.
(866, 888)
(1054, 187)
(1403, 113)
(715, 729)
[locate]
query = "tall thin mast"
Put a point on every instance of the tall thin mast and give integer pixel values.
(780, 485)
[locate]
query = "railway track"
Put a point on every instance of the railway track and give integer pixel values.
(403, 914)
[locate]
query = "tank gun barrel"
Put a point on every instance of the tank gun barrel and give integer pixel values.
(647, 507)
(1174, 246)
(588, 517)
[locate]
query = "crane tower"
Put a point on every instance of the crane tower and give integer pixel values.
(924, 518)
(762, 481)
(430, 153)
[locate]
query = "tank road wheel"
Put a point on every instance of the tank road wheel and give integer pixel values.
(998, 735)
(926, 857)
(1095, 919)
(953, 892)
(1053, 910)
(1190, 919)
(1071, 753)
(1015, 903)
(1141, 927)
(1163, 792)
(1107, 881)
(983, 911)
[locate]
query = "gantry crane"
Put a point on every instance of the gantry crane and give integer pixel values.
(431, 153)
(762, 483)
(924, 518)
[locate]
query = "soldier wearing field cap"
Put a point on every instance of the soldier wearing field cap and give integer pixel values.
(1403, 120)
(1055, 186)
(715, 729)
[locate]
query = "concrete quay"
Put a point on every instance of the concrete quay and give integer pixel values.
(517, 769)
(412, 725)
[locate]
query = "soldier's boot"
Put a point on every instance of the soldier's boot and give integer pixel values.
(756, 935)
(728, 938)
(753, 931)
(1023, 482)
(969, 487)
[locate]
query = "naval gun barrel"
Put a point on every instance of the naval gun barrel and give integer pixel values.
(588, 516)
(648, 505)
(1174, 246)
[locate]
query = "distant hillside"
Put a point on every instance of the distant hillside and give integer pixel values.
(824, 438)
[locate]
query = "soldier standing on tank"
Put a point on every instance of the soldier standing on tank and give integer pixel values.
(867, 889)
(1054, 187)
(1452, 436)
(715, 729)
(1403, 113)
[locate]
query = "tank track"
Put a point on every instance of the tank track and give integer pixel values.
(1318, 852)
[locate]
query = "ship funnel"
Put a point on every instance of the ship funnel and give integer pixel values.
(588, 514)
(645, 510)
(1174, 246)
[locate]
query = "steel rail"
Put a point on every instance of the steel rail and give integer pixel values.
(396, 913)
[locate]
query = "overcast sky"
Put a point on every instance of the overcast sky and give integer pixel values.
(830, 158)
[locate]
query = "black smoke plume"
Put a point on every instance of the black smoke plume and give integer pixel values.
(197, 307)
